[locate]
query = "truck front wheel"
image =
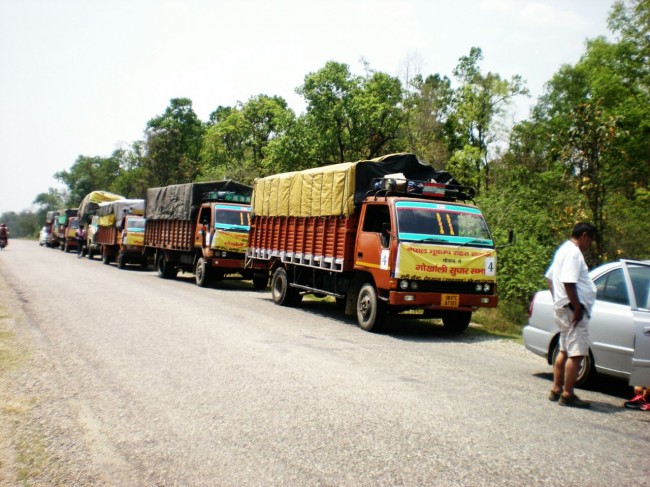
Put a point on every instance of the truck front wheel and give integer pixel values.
(370, 311)
(282, 293)
(202, 273)
(456, 321)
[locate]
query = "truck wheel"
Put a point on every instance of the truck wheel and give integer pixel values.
(202, 273)
(165, 270)
(62, 247)
(282, 293)
(456, 321)
(370, 311)
(260, 282)
(121, 261)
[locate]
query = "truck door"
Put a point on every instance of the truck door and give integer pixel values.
(639, 274)
(373, 243)
(202, 231)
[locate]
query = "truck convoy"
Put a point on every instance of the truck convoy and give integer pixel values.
(387, 234)
(116, 221)
(200, 228)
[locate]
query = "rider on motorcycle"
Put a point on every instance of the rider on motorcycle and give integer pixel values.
(4, 235)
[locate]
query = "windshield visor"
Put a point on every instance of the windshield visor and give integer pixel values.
(441, 223)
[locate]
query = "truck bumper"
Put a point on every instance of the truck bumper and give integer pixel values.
(235, 264)
(442, 301)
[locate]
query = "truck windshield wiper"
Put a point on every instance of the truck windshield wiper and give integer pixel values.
(476, 241)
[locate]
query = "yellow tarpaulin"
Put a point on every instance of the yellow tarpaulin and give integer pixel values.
(421, 261)
(322, 191)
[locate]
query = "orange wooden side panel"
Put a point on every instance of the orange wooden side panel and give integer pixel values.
(331, 238)
(169, 234)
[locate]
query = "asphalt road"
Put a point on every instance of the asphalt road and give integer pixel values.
(136, 380)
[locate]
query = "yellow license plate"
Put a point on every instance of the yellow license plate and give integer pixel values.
(451, 300)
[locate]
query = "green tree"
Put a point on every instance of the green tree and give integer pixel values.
(235, 143)
(480, 102)
(173, 144)
(89, 174)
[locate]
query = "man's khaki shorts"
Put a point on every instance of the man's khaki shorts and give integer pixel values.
(574, 340)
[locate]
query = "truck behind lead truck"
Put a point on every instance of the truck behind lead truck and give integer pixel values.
(200, 228)
(388, 234)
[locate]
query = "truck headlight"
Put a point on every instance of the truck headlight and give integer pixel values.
(403, 285)
(414, 285)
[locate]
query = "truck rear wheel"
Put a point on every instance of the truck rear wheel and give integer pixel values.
(456, 321)
(260, 282)
(282, 293)
(370, 311)
(106, 259)
(121, 261)
(165, 270)
(202, 273)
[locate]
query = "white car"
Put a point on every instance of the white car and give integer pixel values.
(619, 328)
(42, 236)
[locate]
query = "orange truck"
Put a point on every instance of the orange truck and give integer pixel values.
(384, 235)
(201, 228)
(113, 219)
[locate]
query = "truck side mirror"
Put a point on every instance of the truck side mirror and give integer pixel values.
(512, 239)
(385, 234)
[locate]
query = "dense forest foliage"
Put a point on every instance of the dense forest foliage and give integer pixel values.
(583, 153)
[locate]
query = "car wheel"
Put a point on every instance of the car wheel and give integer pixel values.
(587, 372)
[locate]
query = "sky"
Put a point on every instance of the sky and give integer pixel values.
(83, 77)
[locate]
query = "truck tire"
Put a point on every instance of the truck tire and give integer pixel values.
(165, 270)
(91, 253)
(371, 312)
(121, 261)
(260, 283)
(282, 293)
(106, 259)
(202, 273)
(456, 321)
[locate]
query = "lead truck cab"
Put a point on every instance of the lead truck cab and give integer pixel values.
(382, 236)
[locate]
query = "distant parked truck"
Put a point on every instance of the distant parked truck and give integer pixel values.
(200, 228)
(113, 216)
(132, 242)
(88, 216)
(52, 222)
(68, 223)
(388, 234)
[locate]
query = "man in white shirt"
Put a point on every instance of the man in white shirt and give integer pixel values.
(574, 295)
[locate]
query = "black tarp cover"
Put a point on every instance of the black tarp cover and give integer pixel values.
(181, 201)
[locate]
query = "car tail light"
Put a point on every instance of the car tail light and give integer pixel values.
(530, 308)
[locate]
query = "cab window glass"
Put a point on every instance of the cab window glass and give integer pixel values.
(376, 217)
(612, 288)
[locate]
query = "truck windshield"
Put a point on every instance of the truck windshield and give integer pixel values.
(232, 217)
(135, 224)
(442, 223)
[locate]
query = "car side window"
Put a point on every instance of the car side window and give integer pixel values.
(641, 284)
(612, 288)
